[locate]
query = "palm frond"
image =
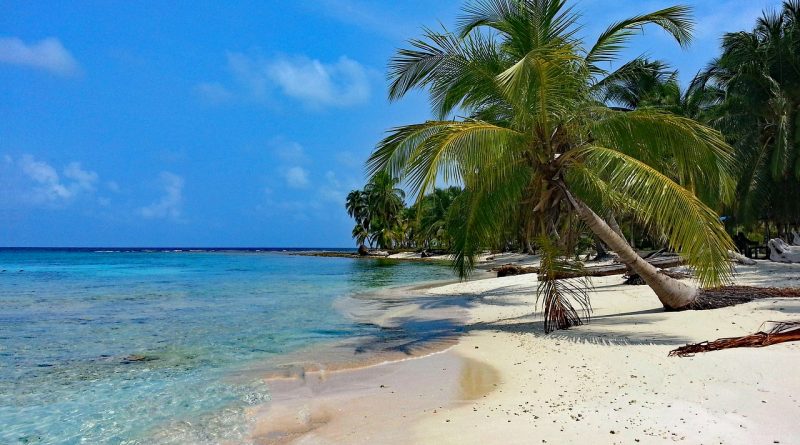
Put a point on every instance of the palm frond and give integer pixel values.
(689, 226)
(482, 209)
(557, 295)
(447, 150)
(697, 156)
(676, 20)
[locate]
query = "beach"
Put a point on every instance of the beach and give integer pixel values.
(609, 381)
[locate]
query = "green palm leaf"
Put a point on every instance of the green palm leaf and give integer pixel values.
(689, 226)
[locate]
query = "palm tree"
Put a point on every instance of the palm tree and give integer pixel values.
(759, 72)
(357, 208)
(648, 83)
(377, 211)
(536, 128)
(434, 217)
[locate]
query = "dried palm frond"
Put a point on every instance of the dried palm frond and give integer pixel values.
(781, 332)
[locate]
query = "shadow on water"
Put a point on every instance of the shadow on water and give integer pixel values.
(411, 336)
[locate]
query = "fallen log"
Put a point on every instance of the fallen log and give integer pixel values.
(507, 270)
(593, 271)
(782, 332)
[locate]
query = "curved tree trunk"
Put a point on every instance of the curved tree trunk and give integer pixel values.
(672, 293)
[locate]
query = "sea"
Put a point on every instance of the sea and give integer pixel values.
(150, 346)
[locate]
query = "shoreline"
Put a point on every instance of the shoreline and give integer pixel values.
(610, 379)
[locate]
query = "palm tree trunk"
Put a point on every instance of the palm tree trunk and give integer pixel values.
(612, 221)
(673, 294)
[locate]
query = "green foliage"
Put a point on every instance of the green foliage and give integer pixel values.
(383, 220)
(536, 124)
(556, 295)
(758, 73)
(534, 119)
(377, 210)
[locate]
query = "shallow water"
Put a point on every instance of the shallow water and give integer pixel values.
(140, 347)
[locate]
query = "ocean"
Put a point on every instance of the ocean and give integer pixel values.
(151, 346)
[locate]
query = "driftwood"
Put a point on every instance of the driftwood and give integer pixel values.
(593, 271)
(780, 333)
(719, 297)
(507, 270)
(781, 252)
(738, 258)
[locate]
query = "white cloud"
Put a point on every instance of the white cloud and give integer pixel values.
(169, 206)
(49, 186)
(313, 83)
(296, 177)
(318, 84)
(48, 54)
(84, 179)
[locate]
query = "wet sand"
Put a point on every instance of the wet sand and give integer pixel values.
(355, 406)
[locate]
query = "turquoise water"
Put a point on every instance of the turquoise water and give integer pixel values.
(139, 347)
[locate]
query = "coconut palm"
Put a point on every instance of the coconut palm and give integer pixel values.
(536, 128)
(377, 211)
(385, 202)
(357, 208)
(760, 74)
(653, 84)
(434, 216)
(648, 83)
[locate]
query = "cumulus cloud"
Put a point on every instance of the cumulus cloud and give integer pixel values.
(296, 177)
(318, 84)
(84, 179)
(48, 54)
(170, 204)
(49, 186)
(313, 83)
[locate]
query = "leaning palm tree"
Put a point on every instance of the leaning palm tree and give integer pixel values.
(536, 128)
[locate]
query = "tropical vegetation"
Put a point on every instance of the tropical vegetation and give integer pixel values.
(384, 221)
(552, 147)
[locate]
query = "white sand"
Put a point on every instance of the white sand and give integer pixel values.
(606, 382)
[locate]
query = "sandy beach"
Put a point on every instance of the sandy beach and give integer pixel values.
(610, 381)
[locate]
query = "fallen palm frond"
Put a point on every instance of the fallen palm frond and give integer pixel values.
(719, 297)
(780, 333)
(557, 295)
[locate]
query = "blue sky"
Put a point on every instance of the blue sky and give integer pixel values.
(198, 124)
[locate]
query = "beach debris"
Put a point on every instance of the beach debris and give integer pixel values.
(782, 252)
(664, 261)
(719, 297)
(738, 258)
(507, 270)
(781, 332)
